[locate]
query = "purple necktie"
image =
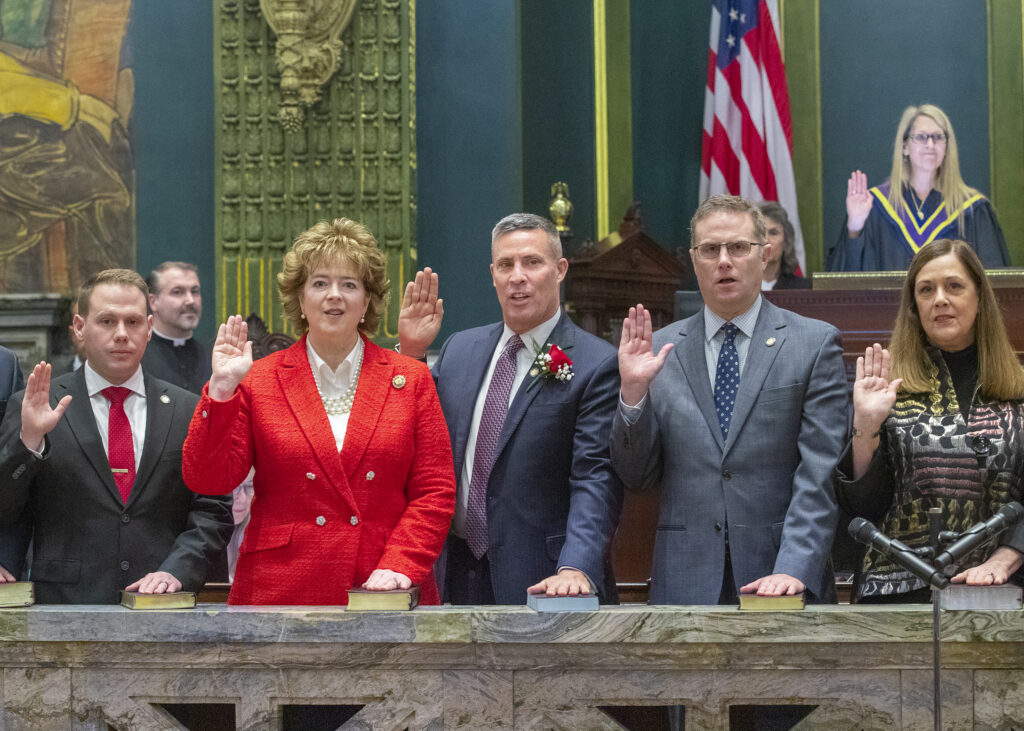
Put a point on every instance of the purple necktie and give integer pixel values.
(491, 422)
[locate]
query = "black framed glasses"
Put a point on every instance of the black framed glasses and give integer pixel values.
(735, 249)
(937, 138)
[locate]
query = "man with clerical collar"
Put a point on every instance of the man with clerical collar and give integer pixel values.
(176, 301)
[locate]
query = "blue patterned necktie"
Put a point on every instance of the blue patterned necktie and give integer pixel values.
(492, 420)
(727, 378)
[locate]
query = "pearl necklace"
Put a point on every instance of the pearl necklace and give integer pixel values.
(338, 405)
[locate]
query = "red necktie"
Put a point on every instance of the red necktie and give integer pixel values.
(120, 450)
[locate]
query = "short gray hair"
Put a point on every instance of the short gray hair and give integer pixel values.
(528, 222)
(728, 204)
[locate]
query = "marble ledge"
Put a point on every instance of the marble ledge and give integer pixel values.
(630, 624)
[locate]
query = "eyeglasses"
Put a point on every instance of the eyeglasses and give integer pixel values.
(736, 249)
(937, 138)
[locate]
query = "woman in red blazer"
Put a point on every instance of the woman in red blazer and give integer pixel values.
(354, 480)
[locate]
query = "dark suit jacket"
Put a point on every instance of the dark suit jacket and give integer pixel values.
(553, 499)
(11, 380)
(88, 545)
(769, 483)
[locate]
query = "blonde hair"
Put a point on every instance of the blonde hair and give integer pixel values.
(325, 243)
(728, 204)
(1000, 375)
(948, 181)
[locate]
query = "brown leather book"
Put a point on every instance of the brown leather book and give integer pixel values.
(364, 600)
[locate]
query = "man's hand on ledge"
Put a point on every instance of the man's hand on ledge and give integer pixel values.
(387, 580)
(158, 582)
(6, 576)
(774, 585)
(567, 582)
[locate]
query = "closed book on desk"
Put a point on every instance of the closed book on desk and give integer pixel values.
(755, 603)
(395, 600)
(17, 594)
(172, 600)
(545, 603)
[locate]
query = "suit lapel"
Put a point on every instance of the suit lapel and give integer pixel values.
(299, 390)
(82, 423)
(760, 358)
(564, 336)
(374, 384)
(158, 424)
(475, 366)
(690, 350)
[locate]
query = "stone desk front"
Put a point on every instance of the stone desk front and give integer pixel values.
(102, 667)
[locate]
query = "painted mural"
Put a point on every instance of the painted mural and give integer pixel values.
(66, 169)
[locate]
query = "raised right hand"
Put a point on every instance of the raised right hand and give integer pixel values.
(232, 358)
(419, 320)
(858, 203)
(873, 393)
(638, 365)
(37, 417)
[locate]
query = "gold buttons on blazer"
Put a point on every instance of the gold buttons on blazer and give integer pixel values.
(398, 381)
(310, 476)
(321, 520)
(354, 520)
(370, 475)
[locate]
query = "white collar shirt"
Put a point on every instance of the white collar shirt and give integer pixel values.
(134, 408)
(333, 383)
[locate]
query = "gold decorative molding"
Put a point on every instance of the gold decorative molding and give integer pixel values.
(308, 49)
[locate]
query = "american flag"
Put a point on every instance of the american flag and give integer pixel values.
(748, 133)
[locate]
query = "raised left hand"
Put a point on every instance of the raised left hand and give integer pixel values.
(419, 320)
(774, 585)
(387, 580)
(158, 582)
(567, 582)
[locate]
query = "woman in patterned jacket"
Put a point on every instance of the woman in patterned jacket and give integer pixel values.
(946, 431)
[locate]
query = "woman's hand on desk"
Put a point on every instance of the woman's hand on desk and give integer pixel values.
(232, 358)
(997, 570)
(387, 580)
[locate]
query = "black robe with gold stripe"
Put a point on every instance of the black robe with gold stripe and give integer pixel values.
(891, 237)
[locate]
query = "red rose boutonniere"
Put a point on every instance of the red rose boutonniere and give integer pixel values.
(552, 364)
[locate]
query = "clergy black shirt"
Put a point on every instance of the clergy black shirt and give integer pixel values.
(187, 366)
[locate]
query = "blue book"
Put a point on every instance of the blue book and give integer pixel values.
(545, 603)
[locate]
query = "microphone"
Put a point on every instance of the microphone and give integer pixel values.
(864, 532)
(981, 533)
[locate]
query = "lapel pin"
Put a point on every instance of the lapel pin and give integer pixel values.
(770, 342)
(165, 398)
(398, 381)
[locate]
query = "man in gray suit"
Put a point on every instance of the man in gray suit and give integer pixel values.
(739, 413)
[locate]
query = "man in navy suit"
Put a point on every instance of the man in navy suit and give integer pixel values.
(538, 502)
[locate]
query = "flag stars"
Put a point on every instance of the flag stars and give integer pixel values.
(734, 14)
(731, 40)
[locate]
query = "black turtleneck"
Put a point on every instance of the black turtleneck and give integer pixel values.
(963, 370)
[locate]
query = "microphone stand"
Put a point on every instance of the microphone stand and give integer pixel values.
(934, 528)
(913, 560)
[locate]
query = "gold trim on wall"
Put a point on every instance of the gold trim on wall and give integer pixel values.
(601, 182)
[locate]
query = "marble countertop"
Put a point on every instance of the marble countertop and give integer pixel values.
(627, 624)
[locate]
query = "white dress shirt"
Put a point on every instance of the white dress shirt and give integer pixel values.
(532, 340)
(334, 383)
